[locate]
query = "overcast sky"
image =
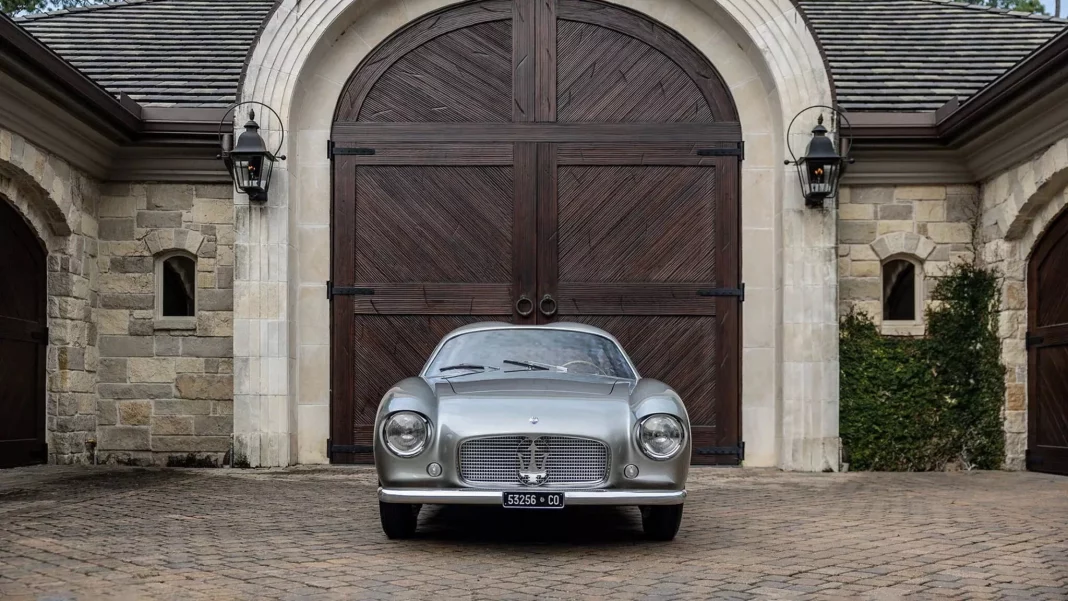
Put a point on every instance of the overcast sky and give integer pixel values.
(1049, 6)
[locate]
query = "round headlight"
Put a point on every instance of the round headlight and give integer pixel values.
(406, 433)
(661, 436)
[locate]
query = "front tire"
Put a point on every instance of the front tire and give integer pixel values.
(398, 519)
(661, 522)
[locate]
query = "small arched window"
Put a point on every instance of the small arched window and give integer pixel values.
(176, 286)
(899, 290)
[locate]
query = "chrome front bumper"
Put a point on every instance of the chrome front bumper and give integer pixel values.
(470, 496)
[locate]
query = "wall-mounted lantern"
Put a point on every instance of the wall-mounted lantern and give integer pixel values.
(249, 162)
(821, 167)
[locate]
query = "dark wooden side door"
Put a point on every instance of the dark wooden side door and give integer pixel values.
(23, 342)
(1047, 372)
(531, 161)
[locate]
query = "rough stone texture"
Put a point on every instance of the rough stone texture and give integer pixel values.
(929, 225)
(145, 355)
(1018, 205)
(60, 203)
(290, 534)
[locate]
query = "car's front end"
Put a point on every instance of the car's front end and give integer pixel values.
(548, 446)
(530, 439)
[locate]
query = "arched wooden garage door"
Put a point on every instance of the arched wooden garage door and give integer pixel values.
(1047, 341)
(23, 340)
(569, 152)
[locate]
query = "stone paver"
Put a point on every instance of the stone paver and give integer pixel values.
(313, 533)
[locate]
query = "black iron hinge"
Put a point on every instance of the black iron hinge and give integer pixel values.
(739, 292)
(737, 151)
(1034, 340)
(737, 450)
(331, 448)
(332, 291)
(332, 150)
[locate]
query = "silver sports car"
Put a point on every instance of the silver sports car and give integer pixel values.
(531, 417)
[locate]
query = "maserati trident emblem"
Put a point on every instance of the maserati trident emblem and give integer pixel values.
(534, 471)
(534, 420)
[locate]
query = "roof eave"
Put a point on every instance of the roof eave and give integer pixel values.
(30, 61)
(1042, 71)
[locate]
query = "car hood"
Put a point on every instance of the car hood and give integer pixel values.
(535, 404)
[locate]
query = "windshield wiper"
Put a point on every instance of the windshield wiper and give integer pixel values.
(531, 365)
(466, 366)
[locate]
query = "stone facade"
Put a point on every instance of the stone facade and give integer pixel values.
(165, 389)
(930, 225)
(59, 202)
(772, 65)
(1018, 204)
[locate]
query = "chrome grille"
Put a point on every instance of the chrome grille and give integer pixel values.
(570, 460)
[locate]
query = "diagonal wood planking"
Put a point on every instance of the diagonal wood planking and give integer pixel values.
(622, 227)
(605, 76)
(1047, 371)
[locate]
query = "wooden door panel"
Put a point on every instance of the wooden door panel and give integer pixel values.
(1052, 273)
(23, 340)
(426, 248)
(434, 223)
(1047, 372)
(1052, 408)
(634, 248)
(510, 148)
(388, 349)
(636, 224)
(606, 76)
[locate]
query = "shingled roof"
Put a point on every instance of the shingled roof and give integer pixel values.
(186, 53)
(885, 55)
(915, 55)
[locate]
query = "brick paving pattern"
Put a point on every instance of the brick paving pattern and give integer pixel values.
(127, 533)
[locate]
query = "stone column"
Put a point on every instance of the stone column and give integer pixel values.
(809, 414)
(263, 420)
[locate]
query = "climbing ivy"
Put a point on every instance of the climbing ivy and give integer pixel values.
(911, 404)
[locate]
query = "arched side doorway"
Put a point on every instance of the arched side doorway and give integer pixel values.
(23, 341)
(506, 149)
(1047, 355)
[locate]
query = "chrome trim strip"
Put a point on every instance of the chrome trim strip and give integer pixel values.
(464, 496)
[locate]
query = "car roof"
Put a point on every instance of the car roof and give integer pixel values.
(558, 325)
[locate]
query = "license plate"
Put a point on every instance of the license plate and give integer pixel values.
(533, 500)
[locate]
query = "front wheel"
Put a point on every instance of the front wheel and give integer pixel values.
(398, 519)
(661, 522)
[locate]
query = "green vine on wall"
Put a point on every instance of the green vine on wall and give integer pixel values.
(912, 404)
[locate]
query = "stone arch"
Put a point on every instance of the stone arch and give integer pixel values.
(903, 243)
(44, 179)
(164, 240)
(1024, 192)
(772, 65)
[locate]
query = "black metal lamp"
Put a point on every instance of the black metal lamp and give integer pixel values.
(821, 167)
(249, 162)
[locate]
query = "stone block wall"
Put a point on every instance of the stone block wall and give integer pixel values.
(165, 389)
(59, 202)
(1018, 205)
(932, 224)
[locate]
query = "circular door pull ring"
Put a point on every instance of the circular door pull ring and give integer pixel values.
(524, 306)
(547, 305)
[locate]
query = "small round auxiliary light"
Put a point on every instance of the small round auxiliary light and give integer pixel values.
(434, 470)
(631, 471)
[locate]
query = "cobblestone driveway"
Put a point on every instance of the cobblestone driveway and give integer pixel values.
(119, 533)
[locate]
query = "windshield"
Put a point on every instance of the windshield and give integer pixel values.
(530, 350)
